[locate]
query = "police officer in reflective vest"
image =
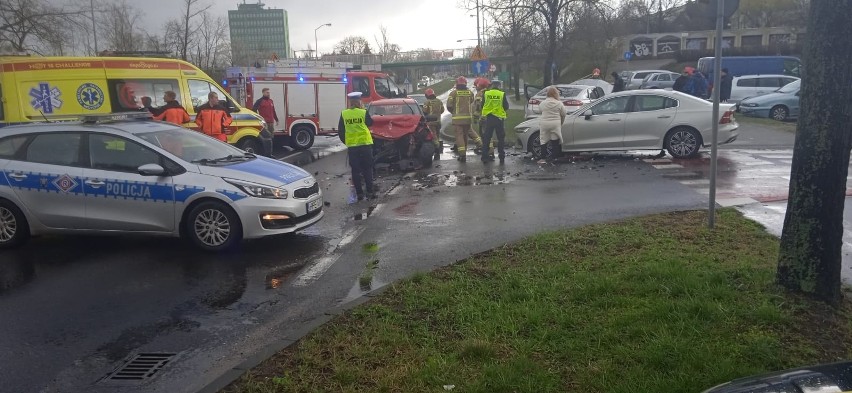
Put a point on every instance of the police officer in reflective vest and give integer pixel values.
(494, 109)
(353, 131)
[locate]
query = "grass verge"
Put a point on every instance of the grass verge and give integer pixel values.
(440, 87)
(787, 126)
(513, 118)
(653, 304)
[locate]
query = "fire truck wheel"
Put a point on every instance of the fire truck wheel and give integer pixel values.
(302, 138)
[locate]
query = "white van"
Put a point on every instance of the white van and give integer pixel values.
(746, 86)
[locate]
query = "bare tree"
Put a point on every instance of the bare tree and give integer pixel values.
(212, 49)
(32, 25)
(552, 13)
(120, 27)
(810, 255)
(191, 9)
(388, 50)
(351, 45)
(772, 13)
(517, 35)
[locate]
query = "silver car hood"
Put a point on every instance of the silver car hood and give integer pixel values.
(261, 170)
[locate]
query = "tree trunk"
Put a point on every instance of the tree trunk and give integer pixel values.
(551, 49)
(810, 255)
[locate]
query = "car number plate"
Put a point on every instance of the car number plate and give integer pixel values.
(314, 204)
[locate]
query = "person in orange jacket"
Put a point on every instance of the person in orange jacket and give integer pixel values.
(212, 118)
(173, 111)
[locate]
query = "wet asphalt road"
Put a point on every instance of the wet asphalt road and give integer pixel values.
(74, 308)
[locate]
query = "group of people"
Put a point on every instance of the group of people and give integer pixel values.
(473, 114)
(485, 110)
(691, 81)
(212, 118)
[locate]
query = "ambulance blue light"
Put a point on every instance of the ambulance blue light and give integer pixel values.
(252, 79)
(301, 78)
(345, 79)
(225, 82)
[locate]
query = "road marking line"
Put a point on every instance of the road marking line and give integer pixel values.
(657, 160)
(317, 270)
(668, 166)
(323, 264)
(395, 190)
(350, 237)
(699, 182)
(377, 209)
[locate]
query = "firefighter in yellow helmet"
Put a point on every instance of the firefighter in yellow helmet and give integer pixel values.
(433, 108)
(481, 85)
(460, 104)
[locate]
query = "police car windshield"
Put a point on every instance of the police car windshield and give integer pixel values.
(195, 147)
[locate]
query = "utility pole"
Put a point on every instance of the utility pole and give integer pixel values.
(717, 82)
(478, 38)
(94, 28)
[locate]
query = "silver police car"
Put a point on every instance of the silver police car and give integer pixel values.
(119, 174)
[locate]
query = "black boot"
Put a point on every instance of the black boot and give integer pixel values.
(553, 150)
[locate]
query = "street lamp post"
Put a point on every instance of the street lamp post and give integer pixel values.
(316, 42)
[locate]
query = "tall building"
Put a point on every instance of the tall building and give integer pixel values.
(258, 34)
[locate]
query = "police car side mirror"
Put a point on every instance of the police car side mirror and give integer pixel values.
(588, 114)
(151, 170)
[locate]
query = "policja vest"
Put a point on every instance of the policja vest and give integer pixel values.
(357, 133)
(494, 103)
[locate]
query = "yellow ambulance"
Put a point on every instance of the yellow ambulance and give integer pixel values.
(38, 89)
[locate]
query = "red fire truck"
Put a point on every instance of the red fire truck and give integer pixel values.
(308, 95)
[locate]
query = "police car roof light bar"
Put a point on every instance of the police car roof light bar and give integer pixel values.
(122, 116)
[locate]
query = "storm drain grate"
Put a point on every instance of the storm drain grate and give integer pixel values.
(141, 367)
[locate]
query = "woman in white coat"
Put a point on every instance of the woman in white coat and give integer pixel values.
(552, 116)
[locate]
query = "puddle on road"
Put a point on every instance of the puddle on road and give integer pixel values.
(277, 277)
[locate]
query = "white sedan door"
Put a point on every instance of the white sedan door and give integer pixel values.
(603, 130)
(649, 121)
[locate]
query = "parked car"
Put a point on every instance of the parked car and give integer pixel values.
(743, 87)
(833, 377)
(145, 177)
(780, 105)
(638, 120)
(573, 96)
(752, 65)
(606, 86)
(633, 79)
(659, 80)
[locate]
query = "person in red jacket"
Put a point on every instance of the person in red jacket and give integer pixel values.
(266, 108)
(212, 118)
(173, 111)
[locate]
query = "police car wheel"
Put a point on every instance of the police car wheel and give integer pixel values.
(213, 226)
(14, 229)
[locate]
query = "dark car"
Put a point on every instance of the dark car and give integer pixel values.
(835, 377)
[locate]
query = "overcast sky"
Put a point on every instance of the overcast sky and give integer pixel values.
(411, 24)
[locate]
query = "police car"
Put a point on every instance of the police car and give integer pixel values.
(122, 174)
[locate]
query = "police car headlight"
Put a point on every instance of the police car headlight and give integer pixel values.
(749, 104)
(259, 190)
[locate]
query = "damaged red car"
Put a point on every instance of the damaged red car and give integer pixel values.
(400, 134)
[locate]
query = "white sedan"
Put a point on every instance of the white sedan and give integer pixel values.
(638, 120)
